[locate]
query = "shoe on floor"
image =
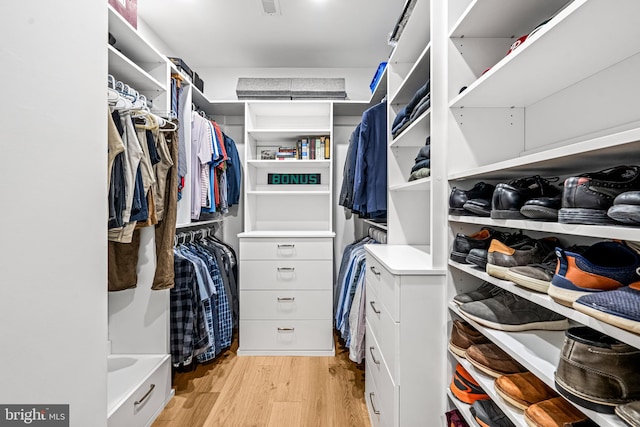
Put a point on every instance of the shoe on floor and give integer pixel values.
(459, 197)
(501, 257)
(630, 413)
(463, 244)
(492, 360)
(465, 388)
(509, 198)
(508, 312)
(486, 290)
(587, 198)
(604, 266)
(463, 336)
(556, 412)
(542, 208)
(522, 390)
(620, 307)
(597, 371)
(626, 208)
(488, 414)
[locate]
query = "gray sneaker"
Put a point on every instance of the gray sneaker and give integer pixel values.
(508, 312)
(486, 290)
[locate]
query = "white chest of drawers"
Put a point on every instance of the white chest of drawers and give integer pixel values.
(405, 328)
(286, 294)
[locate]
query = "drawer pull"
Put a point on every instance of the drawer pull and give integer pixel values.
(375, 411)
(287, 269)
(286, 329)
(377, 362)
(373, 306)
(286, 298)
(286, 246)
(138, 402)
(373, 269)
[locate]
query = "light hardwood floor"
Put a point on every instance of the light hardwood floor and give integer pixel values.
(269, 392)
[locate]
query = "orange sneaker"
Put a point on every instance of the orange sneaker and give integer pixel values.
(465, 388)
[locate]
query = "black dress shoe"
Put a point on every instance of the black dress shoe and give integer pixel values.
(587, 198)
(459, 197)
(626, 208)
(463, 244)
(509, 198)
(481, 207)
(545, 208)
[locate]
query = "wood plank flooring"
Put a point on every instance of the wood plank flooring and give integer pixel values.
(279, 391)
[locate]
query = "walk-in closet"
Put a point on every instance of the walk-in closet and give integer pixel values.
(320, 213)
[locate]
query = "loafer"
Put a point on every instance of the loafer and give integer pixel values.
(597, 371)
(509, 312)
(522, 390)
(587, 198)
(488, 414)
(626, 208)
(629, 412)
(463, 336)
(459, 197)
(604, 266)
(556, 412)
(542, 208)
(492, 360)
(508, 198)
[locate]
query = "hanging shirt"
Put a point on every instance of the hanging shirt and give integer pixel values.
(200, 157)
(234, 172)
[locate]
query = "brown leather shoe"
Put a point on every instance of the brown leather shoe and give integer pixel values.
(491, 360)
(523, 390)
(597, 371)
(463, 335)
(555, 412)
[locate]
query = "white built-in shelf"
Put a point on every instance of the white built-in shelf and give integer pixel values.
(405, 259)
(415, 35)
(128, 72)
(310, 164)
(129, 41)
(417, 75)
(202, 224)
(380, 225)
(356, 108)
(422, 184)
(546, 53)
(479, 19)
(289, 193)
(487, 384)
(621, 232)
(125, 373)
(463, 408)
(415, 134)
(546, 301)
(285, 135)
(587, 155)
(287, 233)
(539, 352)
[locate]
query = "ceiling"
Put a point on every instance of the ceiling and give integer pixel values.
(307, 33)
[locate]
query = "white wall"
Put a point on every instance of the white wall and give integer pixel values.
(220, 83)
(53, 290)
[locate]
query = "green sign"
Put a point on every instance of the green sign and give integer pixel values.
(293, 178)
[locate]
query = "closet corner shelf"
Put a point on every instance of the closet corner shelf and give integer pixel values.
(137, 48)
(416, 76)
(287, 234)
(621, 232)
(539, 352)
(502, 86)
(463, 408)
(478, 20)
(608, 149)
(289, 163)
(546, 301)
(422, 184)
(125, 373)
(486, 382)
(409, 136)
(128, 72)
(405, 259)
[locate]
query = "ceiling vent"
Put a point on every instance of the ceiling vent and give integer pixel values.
(270, 7)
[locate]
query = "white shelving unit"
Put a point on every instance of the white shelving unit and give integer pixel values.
(520, 117)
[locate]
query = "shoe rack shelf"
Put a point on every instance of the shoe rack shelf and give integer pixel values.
(486, 382)
(539, 352)
(553, 107)
(465, 409)
(546, 301)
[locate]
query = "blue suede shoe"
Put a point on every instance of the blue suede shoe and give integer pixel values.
(620, 307)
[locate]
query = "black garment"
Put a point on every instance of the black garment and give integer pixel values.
(117, 197)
